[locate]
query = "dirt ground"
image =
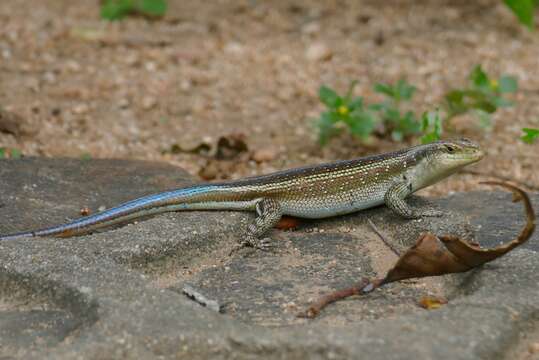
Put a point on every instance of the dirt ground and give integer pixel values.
(144, 89)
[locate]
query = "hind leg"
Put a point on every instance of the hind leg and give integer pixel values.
(268, 213)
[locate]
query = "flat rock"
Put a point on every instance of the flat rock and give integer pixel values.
(119, 292)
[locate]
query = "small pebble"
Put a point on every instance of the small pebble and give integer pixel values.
(318, 52)
(265, 154)
(81, 109)
(123, 103)
(148, 103)
(311, 28)
(234, 48)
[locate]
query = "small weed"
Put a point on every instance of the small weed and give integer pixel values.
(530, 135)
(10, 153)
(431, 126)
(524, 10)
(86, 157)
(118, 9)
(361, 119)
(343, 110)
(483, 96)
(397, 122)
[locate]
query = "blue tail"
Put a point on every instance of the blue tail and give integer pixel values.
(148, 205)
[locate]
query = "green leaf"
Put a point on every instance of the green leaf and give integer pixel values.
(15, 154)
(377, 107)
(485, 105)
(484, 119)
(507, 84)
(326, 128)
(362, 124)
(409, 125)
(405, 91)
(455, 96)
(351, 89)
(479, 78)
(400, 91)
(2, 153)
(431, 125)
(499, 101)
(152, 7)
(116, 9)
(523, 9)
(356, 103)
(392, 115)
(455, 101)
(530, 135)
(328, 96)
(397, 135)
(385, 89)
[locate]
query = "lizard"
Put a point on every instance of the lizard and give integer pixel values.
(313, 192)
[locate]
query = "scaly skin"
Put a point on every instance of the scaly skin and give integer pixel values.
(317, 191)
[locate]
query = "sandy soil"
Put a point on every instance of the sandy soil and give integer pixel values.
(139, 89)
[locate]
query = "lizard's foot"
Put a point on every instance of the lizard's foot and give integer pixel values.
(264, 244)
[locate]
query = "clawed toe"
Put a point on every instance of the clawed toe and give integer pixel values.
(265, 244)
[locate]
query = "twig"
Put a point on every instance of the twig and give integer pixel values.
(501, 177)
(434, 256)
(363, 287)
(201, 299)
(384, 240)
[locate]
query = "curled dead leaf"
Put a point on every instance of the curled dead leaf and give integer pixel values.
(225, 147)
(432, 256)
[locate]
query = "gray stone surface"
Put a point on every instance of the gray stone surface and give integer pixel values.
(117, 293)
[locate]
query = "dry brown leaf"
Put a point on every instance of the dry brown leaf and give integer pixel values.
(225, 147)
(433, 256)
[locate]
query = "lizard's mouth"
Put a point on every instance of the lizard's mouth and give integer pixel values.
(471, 156)
(477, 155)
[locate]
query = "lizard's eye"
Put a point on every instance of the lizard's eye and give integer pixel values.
(450, 149)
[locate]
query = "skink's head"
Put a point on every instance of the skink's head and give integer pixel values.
(456, 153)
(442, 158)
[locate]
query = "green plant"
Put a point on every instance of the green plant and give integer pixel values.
(118, 9)
(397, 122)
(361, 119)
(483, 96)
(86, 156)
(431, 126)
(343, 110)
(10, 153)
(530, 135)
(524, 10)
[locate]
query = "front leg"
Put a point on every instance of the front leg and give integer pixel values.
(394, 199)
(269, 213)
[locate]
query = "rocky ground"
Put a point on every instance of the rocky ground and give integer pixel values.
(228, 89)
(119, 293)
(140, 89)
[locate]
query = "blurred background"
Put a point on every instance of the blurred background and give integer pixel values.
(233, 88)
